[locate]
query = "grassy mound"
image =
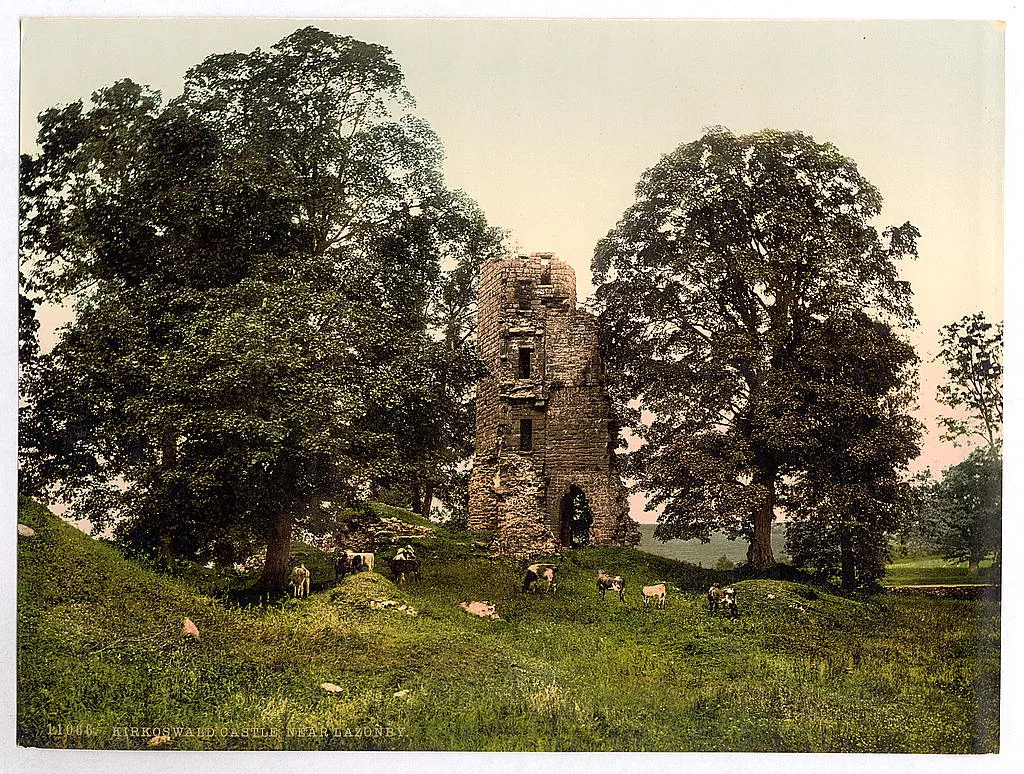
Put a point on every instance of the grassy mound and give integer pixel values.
(402, 514)
(800, 669)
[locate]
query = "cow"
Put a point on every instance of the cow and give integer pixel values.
(349, 561)
(718, 597)
(404, 568)
(405, 552)
(300, 581)
(730, 602)
(655, 593)
(535, 573)
(613, 582)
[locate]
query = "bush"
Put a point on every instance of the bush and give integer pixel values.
(724, 563)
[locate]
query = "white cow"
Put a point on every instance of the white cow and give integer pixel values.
(300, 581)
(655, 593)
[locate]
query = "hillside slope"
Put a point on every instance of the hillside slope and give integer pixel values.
(101, 649)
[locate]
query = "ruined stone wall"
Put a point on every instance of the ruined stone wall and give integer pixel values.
(527, 316)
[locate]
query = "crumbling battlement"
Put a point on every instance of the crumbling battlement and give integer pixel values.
(545, 431)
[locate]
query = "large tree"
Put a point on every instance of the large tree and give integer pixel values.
(736, 246)
(434, 424)
(254, 268)
(972, 351)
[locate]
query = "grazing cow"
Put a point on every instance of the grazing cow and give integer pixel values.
(612, 582)
(722, 598)
(300, 581)
(348, 561)
(405, 552)
(404, 568)
(535, 573)
(655, 593)
(363, 561)
(730, 602)
(342, 565)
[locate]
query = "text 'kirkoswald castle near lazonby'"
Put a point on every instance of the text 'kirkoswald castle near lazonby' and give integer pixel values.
(545, 474)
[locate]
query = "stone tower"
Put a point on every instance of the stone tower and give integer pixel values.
(545, 475)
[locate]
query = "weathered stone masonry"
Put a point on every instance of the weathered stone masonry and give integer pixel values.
(544, 423)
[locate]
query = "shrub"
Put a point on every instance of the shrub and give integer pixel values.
(724, 563)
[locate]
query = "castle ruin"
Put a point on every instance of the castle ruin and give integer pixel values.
(545, 476)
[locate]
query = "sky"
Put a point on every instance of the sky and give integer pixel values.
(549, 124)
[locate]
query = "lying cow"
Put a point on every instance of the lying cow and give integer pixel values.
(300, 581)
(404, 568)
(349, 561)
(655, 593)
(607, 582)
(536, 573)
(722, 598)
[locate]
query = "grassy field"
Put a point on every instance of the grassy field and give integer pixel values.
(101, 653)
(904, 572)
(706, 554)
(931, 570)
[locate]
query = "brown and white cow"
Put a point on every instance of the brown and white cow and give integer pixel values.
(607, 582)
(536, 573)
(726, 598)
(655, 593)
(349, 561)
(404, 568)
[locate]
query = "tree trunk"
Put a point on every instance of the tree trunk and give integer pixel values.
(973, 565)
(416, 501)
(165, 557)
(279, 540)
(168, 461)
(428, 500)
(760, 552)
(848, 567)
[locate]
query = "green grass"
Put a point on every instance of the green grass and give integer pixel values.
(706, 554)
(100, 644)
(932, 570)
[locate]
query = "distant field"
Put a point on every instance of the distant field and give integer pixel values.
(706, 554)
(908, 572)
(930, 570)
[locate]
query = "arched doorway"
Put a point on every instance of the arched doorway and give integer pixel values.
(576, 519)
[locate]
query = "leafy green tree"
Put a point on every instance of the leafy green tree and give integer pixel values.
(972, 350)
(437, 417)
(852, 493)
(961, 515)
(252, 268)
(724, 563)
(736, 247)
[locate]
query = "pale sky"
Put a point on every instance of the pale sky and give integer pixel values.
(550, 124)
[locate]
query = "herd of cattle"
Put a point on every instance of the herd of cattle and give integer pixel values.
(405, 566)
(653, 595)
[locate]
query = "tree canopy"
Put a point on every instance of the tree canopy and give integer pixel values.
(972, 351)
(272, 286)
(851, 495)
(737, 253)
(961, 515)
